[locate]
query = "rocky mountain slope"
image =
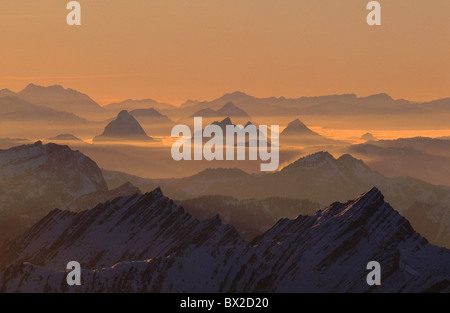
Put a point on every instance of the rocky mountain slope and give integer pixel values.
(37, 178)
(326, 252)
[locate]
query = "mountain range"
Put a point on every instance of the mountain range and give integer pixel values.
(148, 244)
(14, 109)
(318, 178)
(228, 110)
(131, 105)
(58, 98)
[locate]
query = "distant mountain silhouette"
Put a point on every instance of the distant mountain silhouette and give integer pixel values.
(7, 93)
(337, 108)
(368, 137)
(301, 134)
(124, 127)
(318, 177)
(65, 137)
(14, 109)
(250, 217)
(229, 110)
(150, 116)
(61, 99)
(297, 128)
(131, 105)
(423, 158)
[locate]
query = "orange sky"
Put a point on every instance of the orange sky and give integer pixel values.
(172, 50)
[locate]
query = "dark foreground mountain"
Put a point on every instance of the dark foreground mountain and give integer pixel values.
(134, 227)
(37, 178)
(169, 251)
(123, 128)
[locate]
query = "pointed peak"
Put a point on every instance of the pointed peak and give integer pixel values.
(229, 104)
(371, 196)
(311, 161)
(123, 113)
(320, 155)
(226, 121)
(348, 157)
(157, 191)
(296, 123)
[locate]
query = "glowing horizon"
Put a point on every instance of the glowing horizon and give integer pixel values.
(172, 51)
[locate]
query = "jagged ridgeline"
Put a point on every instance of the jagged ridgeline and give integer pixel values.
(127, 241)
(148, 244)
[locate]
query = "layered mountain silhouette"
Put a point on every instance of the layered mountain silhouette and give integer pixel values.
(7, 93)
(318, 177)
(148, 244)
(124, 128)
(58, 98)
(14, 109)
(250, 217)
(228, 110)
(375, 111)
(422, 158)
(131, 105)
(150, 116)
(65, 137)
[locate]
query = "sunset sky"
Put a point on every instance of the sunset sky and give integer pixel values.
(200, 49)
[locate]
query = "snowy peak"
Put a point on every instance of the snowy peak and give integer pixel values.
(36, 178)
(326, 252)
(312, 161)
(129, 228)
